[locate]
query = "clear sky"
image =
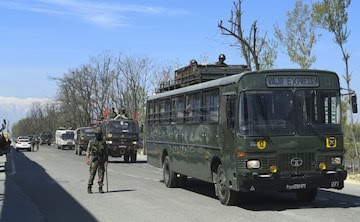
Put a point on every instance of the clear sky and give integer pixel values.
(40, 39)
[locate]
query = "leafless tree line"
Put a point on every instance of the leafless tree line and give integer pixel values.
(106, 82)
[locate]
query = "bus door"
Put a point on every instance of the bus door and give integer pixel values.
(229, 128)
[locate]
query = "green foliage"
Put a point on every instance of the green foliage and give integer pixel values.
(299, 37)
(268, 56)
(332, 15)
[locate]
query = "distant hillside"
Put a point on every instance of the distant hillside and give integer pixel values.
(14, 109)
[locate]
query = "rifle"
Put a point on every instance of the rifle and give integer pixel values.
(106, 174)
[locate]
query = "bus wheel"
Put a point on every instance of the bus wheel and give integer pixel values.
(306, 195)
(225, 194)
(170, 178)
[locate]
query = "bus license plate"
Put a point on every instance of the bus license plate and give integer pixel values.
(296, 186)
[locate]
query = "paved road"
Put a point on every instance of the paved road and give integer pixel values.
(50, 185)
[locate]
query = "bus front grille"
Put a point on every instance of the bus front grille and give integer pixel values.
(295, 162)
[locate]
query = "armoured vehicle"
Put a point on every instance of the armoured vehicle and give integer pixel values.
(45, 138)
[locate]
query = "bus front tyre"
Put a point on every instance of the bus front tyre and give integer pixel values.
(170, 179)
(224, 193)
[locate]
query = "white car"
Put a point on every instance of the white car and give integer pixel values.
(23, 143)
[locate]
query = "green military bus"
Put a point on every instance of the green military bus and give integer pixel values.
(271, 130)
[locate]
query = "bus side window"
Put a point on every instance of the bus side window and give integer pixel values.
(210, 107)
(230, 112)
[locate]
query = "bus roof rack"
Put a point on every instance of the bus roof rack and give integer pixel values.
(195, 73)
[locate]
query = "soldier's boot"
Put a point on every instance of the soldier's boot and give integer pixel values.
(89, 189)
(101, 190)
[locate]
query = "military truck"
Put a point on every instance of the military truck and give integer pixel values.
(82, 137)
(45, 138)
(122, 138)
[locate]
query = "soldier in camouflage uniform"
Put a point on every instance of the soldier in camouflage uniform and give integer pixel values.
(97, 158)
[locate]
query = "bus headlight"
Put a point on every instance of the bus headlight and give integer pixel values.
(335, 161)
(109, 142)
(134, 142)
(253, 164)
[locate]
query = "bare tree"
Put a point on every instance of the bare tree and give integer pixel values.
(250, 46)
(133, 81)
(107, 81)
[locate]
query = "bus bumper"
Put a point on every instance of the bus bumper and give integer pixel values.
(288, 182)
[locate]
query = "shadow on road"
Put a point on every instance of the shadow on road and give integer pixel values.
(278, 201)
(119, 191)
(121, 161)
(32, 195)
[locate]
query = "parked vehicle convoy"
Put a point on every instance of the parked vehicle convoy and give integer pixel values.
(270, 130)
(82, 137)
(65, 139)
(45, 138)
(23, 143)
(122, 136)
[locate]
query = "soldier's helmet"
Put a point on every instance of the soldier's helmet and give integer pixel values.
(222, 57)
(193, 62)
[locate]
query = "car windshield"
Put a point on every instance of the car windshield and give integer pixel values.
(122, 127)
(282, 112)
(24, 140)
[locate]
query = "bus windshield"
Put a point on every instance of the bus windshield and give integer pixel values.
(283, 112)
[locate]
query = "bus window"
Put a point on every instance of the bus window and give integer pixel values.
(150, 113)
(156, 112)
(193, 107)
(165, 111)
(210, 106)
(178, 109)
(264, 113)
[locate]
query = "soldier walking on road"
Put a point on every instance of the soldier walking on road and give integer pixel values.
(35, 143)
(97, 158)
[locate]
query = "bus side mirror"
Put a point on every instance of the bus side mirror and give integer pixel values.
(354, 103)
